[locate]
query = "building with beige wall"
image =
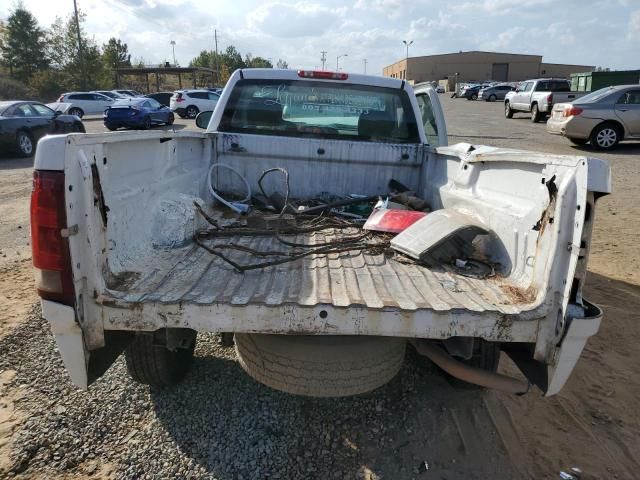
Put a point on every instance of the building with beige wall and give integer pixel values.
(478, 66)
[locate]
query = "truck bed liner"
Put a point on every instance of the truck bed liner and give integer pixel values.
(192, 275)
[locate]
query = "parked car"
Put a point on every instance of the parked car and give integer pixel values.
(137, 112)
(23, 123)
(439, 89)
(110, 94)
(161, 97)
(471, 93)
(148, 260)
(495, 92)
(538, 97)
(188, 103)
(85, 102)
(603, 118)
(128, 93)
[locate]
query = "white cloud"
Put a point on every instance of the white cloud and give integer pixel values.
(300, 19)
(633, 32)
(505, 6)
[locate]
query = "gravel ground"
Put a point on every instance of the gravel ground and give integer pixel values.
(220, 424)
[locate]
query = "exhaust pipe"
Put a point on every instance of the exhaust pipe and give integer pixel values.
(470, 374)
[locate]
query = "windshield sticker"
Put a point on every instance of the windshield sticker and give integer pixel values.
(320, 100)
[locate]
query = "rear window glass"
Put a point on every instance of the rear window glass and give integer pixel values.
(303, 108)
(596, 96)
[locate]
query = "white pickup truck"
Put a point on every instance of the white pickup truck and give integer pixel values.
(537, 97)
(134, 252)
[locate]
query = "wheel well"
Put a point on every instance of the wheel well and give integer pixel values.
(617, 125)
(194, 106)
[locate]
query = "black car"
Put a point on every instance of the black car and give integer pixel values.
(23, 123)
(161, 97)
(471, 93)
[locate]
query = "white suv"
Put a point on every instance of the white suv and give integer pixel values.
(188, 103)
(85, 102)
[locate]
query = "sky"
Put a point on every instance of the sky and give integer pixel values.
(587, 32)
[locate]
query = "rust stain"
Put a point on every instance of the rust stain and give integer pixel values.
(519, 295)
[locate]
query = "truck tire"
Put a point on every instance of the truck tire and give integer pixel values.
(320, 365)
(508, 112)
(535, 113)
(156, 365)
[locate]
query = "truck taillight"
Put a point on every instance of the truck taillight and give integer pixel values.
(51, 259)
(550, 99)
(571, 111)
(322, 75)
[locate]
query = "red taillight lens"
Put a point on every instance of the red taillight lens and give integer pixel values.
(550, 99)
(50, 249)
(179, 98)
(572, 111)
(322, 75)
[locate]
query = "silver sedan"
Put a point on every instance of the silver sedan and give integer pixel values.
(603, 118)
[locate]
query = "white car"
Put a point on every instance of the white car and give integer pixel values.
(127, 93)
(188, 103)
(110, 94)
(83, 103)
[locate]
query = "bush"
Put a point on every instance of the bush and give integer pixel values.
(47, 85)
(12, 90)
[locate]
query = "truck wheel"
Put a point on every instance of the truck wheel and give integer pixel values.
(507, 110)
(320, 365)
(156, 365)
(535, 113)
(605, 136)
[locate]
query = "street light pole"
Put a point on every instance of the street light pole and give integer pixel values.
(364, 60)
(338, 61)
(173, 47)
(407, 45)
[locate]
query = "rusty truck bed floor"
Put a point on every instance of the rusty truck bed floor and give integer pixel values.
(192, 275)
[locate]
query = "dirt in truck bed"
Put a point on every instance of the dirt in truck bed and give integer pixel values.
(127, 431)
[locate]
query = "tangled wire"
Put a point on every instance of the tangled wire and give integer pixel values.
(374, 243)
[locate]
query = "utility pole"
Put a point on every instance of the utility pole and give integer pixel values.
(365, 65)
(338, 61)
(215, 37)
(80, 55)
(323, 58)
(173, 46)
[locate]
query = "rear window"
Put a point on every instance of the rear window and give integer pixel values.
(303, 108)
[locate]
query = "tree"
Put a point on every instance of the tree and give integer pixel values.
(23, 44)
(63, 52)
(256, 62)
(115, 54)
(282, 64)
(232, 59)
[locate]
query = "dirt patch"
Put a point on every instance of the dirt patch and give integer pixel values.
(17, 293)
(519, 295)
(10, 418)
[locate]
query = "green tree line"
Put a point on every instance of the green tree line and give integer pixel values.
(43, 63)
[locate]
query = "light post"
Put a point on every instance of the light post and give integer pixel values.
(338, 61)
(407, 45)
(173, 47)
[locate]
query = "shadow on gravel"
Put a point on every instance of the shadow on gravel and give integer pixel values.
(233, 427)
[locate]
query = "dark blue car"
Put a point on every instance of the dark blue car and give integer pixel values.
(138, 112)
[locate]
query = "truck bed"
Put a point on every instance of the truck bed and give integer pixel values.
(191, 275)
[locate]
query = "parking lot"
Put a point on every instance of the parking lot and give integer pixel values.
(220, 424)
